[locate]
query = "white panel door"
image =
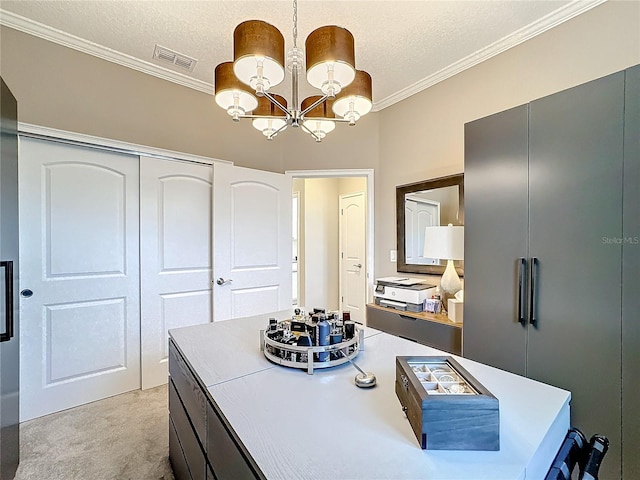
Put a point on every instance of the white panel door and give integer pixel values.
(175, 256)
(410, 233)
(353, 278)
(418, 215)
(427, 214)
(79, 253)
(251, 242)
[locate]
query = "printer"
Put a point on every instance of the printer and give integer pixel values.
(403, 293)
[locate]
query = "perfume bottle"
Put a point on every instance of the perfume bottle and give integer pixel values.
(323, 332)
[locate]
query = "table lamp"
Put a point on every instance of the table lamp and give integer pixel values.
(446, 243)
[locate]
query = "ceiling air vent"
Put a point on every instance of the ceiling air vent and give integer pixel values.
(179, 60)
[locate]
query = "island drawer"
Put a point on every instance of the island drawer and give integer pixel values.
(191, 394)
(227, 461)
(178, 462)
(193, 452)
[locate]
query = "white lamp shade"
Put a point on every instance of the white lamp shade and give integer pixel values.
(246, 69)
(343, 106)
(226, 99)
(268, 125)
(446, 243)
(319, 127)
(342, 73)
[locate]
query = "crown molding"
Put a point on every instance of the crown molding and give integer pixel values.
(38, 131)
(45, 32)
(551, 20)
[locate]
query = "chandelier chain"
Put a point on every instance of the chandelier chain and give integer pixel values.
(295, 22)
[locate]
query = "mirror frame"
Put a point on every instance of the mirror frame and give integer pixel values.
(401, 191)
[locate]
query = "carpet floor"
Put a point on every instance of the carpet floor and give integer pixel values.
(125, 437)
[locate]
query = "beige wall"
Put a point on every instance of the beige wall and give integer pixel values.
(348, 185)
(416, 139)
(422, 137)
(321, 243)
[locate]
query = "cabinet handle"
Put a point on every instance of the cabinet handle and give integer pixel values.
(533, 293)
(8, 300)
(407, 317)
(522, 291)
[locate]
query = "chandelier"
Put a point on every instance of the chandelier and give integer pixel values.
(242, 87)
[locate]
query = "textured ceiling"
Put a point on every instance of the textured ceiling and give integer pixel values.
(405, 45)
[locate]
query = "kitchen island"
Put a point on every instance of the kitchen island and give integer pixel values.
(235, 415)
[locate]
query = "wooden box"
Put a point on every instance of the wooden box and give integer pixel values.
(448, 409)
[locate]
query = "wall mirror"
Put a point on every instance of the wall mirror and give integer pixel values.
(418, 205)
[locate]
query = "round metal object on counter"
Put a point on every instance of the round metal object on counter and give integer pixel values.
(365, 380)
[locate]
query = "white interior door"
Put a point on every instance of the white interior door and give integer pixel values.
(251, 242)
(175, 256)
(419, 214)
(353, 278)
(427, 214)
(79, 253)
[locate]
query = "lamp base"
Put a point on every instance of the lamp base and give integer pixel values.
(450, 282)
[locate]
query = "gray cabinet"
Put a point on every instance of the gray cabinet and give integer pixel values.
(544, 248)
(9, 287)
(631, 279)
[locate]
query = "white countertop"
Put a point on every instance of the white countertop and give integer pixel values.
(321, 426)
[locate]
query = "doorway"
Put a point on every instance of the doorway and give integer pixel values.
(327, 275)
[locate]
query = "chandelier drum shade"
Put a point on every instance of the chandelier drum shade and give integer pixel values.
(258, 55)
(330, 59)
(243, 87)
(354, 101)
(231, 94)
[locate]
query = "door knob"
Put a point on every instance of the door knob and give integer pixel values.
(359, 265)
(222, 281)
(26, 293)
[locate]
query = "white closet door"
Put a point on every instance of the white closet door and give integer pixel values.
(80, 330)
(251, 242)
(175, 229)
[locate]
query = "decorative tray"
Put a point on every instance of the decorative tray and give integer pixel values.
(282, 342)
